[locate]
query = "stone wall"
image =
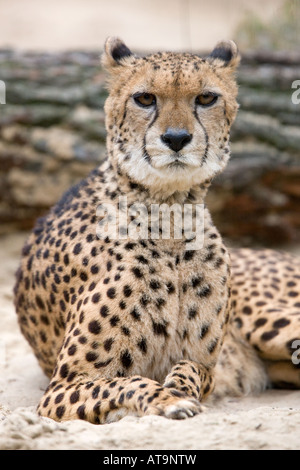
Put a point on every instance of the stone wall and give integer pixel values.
(52, 134)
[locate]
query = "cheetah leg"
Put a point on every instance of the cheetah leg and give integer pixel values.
(284, 374)
(239, 371)
(274, 332)
(268, 314)
(190, 378)
(107, 400)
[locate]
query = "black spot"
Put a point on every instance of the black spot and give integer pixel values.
(111, 293)
(46, 402)
(281, 323)
(108, 344)
(188, 255)
(126, 359)
(94, 327)
(137, 272)
(160, 302)
(39, 302)
(135, 314)
(94, 269)
(108, 265)
(160, 329)
(83, 276)
(64, 371)
(96, 298)
(101, 364)
(144, 300)
(114, 320)
(127, 291)
(203, 332)
(268, 335)
(74, 397)
(77, 249)
(142, 345)
(209, 257)
(260, 322)
(59, 398)
(129, 246)
(247, 310)
(204, 292)
(95, 392)
(192, 313)
(170, 287)
(91, 357)
(45, 320)
(81, 412)
(141, 259)
(104, 311)
(125, 331)
(72, 350)
(154, 284)
(60, 411)
(66, 278)
(293, 293)
(196, 281)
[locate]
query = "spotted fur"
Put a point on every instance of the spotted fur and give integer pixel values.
(149, 326)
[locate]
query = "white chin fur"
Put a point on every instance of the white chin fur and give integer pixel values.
(166, 177)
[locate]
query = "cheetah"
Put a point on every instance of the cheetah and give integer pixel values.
(140, 325)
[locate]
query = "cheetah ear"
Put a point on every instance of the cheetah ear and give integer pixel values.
(116, 53)
(225, 54)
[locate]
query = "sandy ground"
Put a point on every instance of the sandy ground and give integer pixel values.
(268, 421)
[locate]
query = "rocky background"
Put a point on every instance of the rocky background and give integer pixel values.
(52, 134)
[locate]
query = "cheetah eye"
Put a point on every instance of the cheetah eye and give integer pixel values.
(144, 99)
(206, 99)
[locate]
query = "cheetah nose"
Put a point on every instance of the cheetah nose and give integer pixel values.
(176, 139)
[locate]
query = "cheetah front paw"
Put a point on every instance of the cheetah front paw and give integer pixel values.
(175, 405)
(183, 409)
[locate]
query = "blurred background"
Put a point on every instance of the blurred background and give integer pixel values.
(144, 24)
(52, 125)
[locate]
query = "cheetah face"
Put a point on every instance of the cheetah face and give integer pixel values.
(168, 115)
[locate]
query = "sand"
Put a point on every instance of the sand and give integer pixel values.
(268, 421)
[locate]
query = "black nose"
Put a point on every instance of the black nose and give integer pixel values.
(176, 139)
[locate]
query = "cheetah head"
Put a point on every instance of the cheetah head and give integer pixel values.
(168, 115)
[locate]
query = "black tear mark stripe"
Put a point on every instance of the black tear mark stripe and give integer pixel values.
(146, 154)
(125, 112)
(206, 137)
